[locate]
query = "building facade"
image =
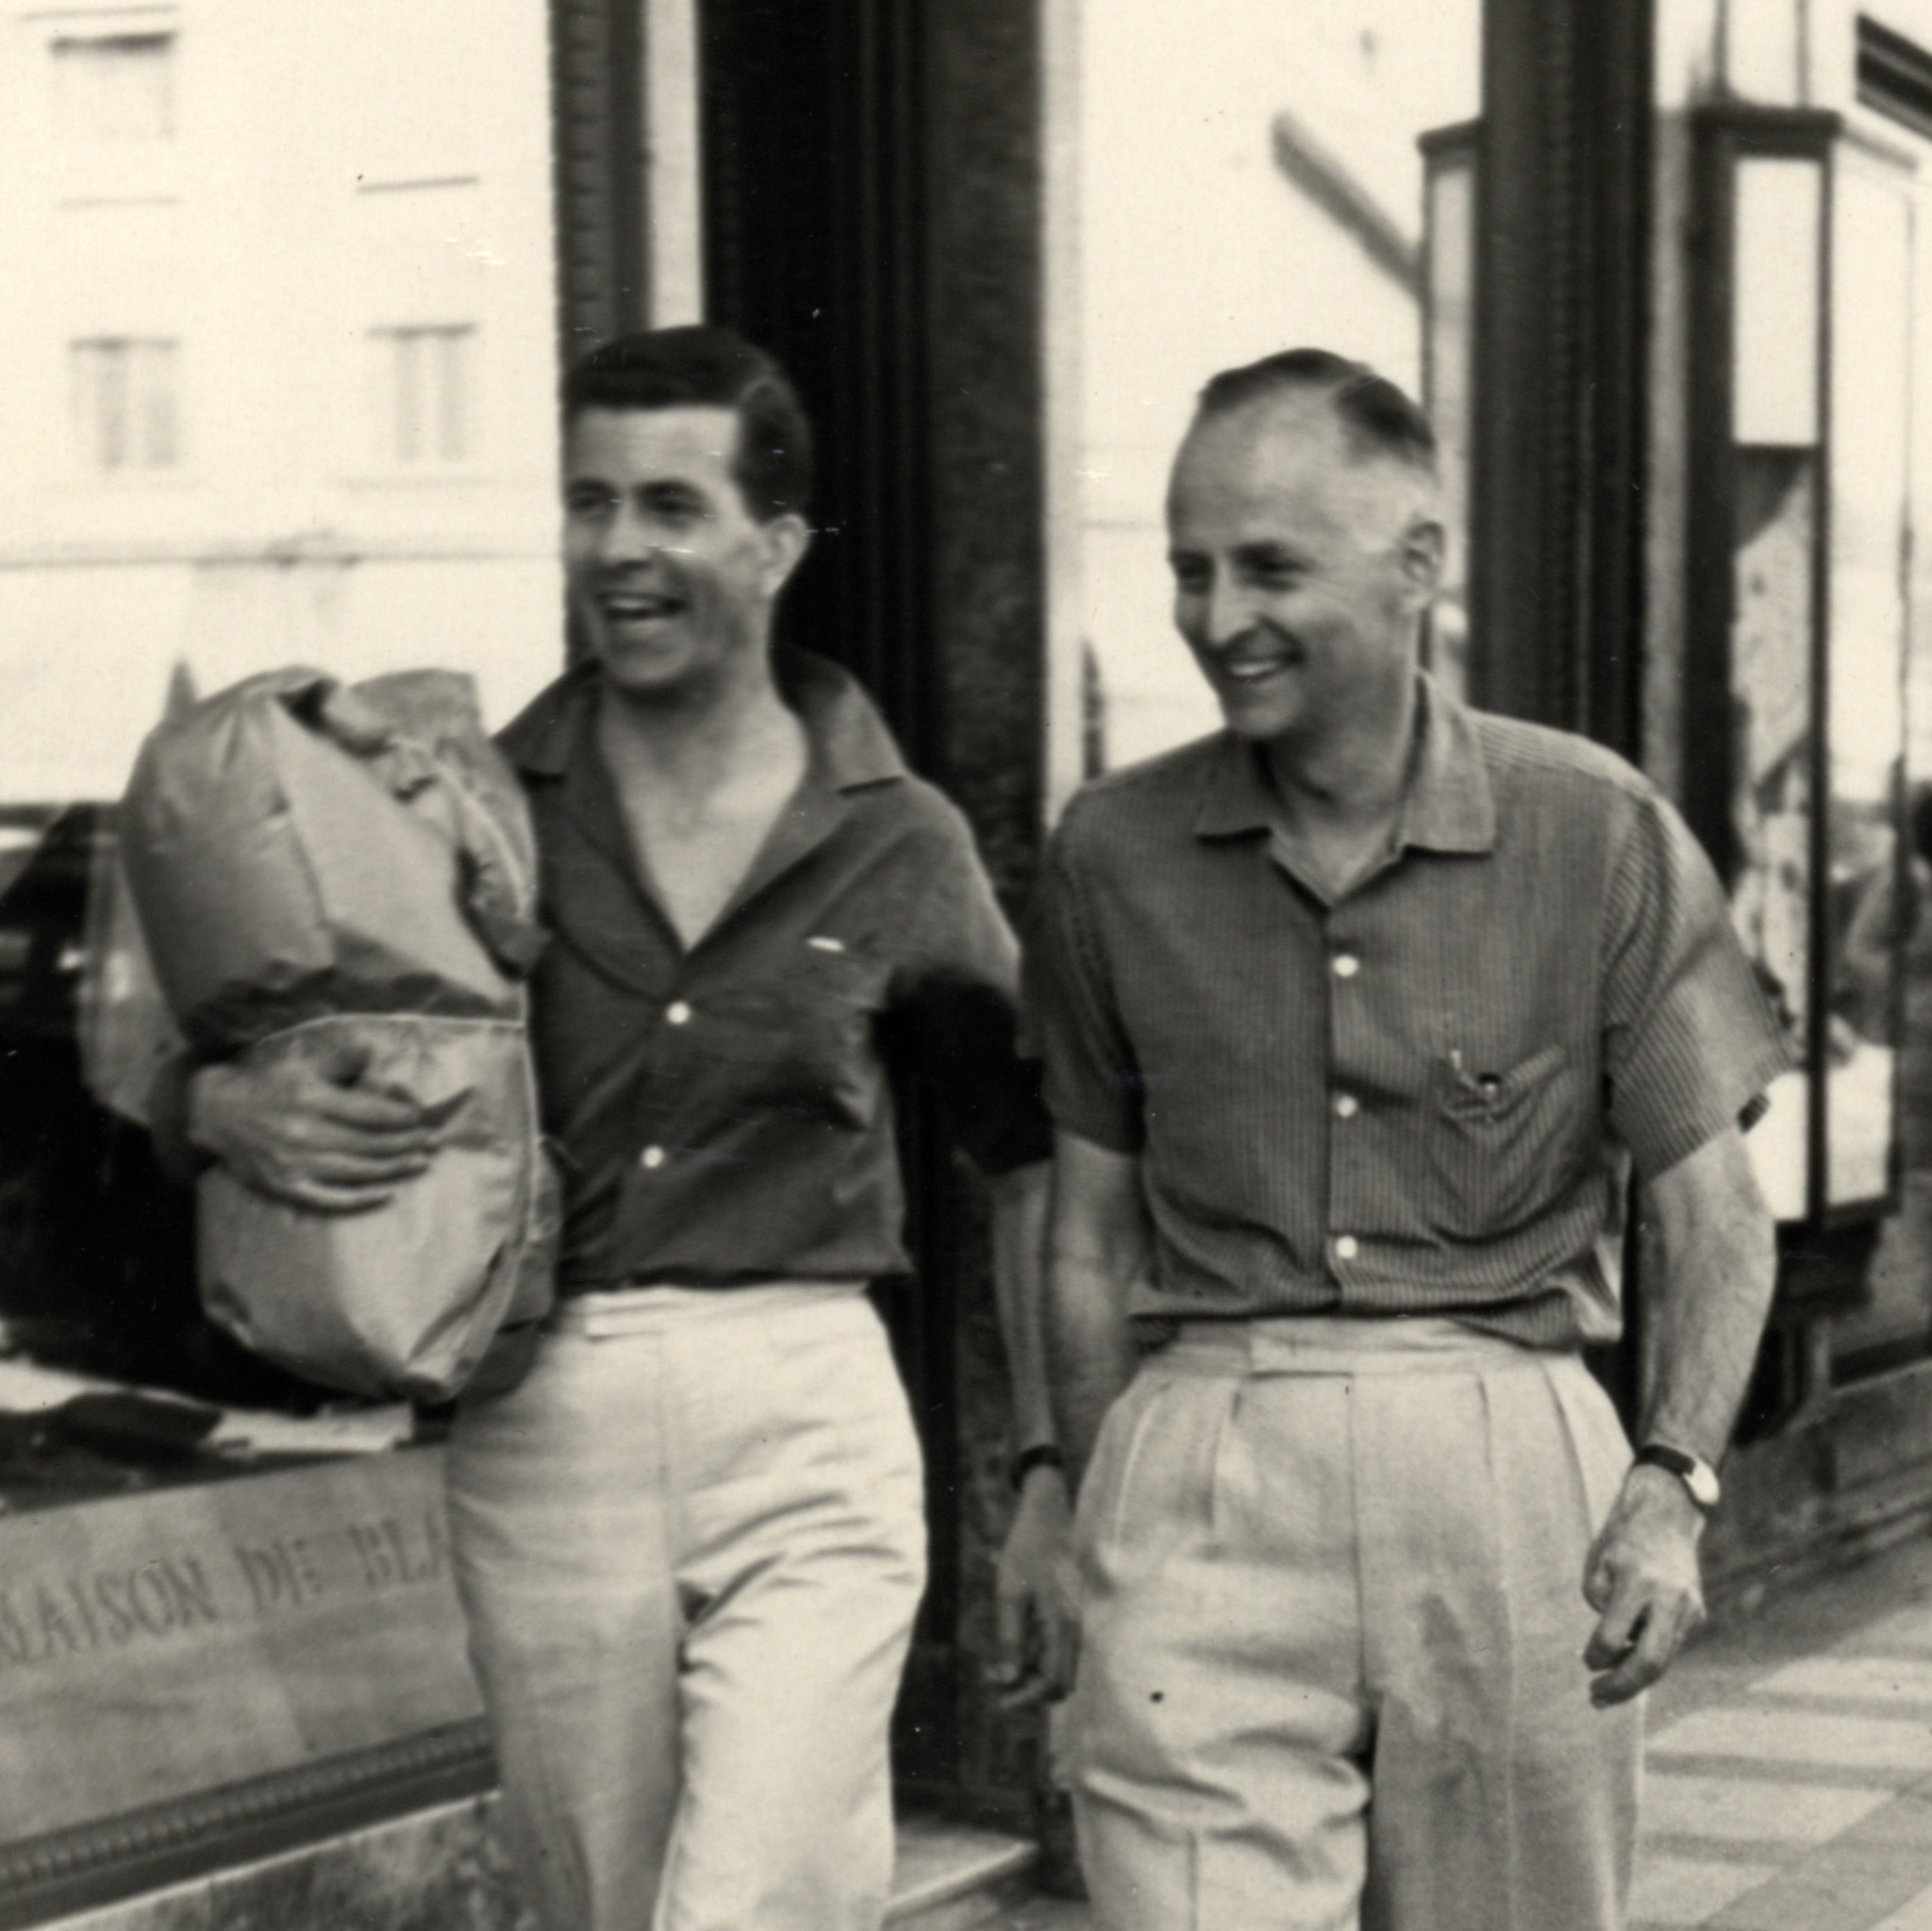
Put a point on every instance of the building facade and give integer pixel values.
(283, 358)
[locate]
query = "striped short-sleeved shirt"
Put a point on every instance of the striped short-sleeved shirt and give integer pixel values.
(1424, 1097)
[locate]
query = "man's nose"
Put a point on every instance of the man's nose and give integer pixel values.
(1229, 611)
(628, 538)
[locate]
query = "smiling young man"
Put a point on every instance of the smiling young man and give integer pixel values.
(1357, 1016)
(690, 1542)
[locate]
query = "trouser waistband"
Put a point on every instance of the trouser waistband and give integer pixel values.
(1338, 1344)
(644, 1310)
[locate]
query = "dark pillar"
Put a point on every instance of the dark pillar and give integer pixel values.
(873, 215)
(1561, 330)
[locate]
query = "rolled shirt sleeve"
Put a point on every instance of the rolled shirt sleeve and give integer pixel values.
(1093, 1083)
(1689, 1043)
(951, 1013)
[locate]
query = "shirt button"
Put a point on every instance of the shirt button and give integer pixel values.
(678, 1013)
(651, 1158)
(1347, 965)
(1346, 1105)
(1346, 1247)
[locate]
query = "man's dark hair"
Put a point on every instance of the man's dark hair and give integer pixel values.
(1378, 418)
(702, 367)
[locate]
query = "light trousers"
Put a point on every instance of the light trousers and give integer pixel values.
(690, 1546)
(1331, 1669)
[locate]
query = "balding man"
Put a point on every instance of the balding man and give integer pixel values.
(1358, 1015)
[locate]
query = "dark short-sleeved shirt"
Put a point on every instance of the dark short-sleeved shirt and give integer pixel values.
(725, 1113)
(1425, 1096)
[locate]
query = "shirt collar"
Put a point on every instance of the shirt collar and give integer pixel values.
(1446, 805)
(849, 742)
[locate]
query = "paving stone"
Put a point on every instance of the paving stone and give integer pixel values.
(1687, 1890)
(1894, 1745)
(1844, 1887)
(1914, 1915)
(1887, 1680)
(1752, 1809)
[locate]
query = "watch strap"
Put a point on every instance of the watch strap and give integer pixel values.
(1698, 1477)
(1043, 1455)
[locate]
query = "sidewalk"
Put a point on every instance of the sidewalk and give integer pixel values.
(1790, 1782)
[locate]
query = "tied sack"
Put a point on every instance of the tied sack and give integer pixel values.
(347, 875)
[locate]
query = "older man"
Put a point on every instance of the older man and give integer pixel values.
(1356, 1014)
(690, 1542)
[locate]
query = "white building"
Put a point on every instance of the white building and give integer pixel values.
(280, 347)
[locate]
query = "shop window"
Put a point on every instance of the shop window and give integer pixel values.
(1809, 459)
(127, 403)
(115, 89)
(424, 382)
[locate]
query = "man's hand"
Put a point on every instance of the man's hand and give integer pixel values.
(1038, 1596)
(1642, 1577)
(307, 1133)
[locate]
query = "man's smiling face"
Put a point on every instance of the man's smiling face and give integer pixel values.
(1301, 566)
(670, 576)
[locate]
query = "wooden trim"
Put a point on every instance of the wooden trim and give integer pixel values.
(597, 147)
(1894, 75)
(67, 1870)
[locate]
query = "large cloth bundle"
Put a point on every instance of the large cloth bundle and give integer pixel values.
(348, 875)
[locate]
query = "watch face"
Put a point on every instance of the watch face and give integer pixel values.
(1697, 1476)
(1700, 1479)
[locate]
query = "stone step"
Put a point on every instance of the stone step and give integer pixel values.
(955, 1877)
(443, 1866)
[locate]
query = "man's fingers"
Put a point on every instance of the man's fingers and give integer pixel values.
(1009, 1630)
(369, 1110)
(319, 1198)
(353, 1167)
(1061, 1656)
(1617, 1627)
(1598, 1583)
(1660, 1627)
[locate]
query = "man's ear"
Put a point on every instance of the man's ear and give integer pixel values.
(1423, 544)
(786, 539)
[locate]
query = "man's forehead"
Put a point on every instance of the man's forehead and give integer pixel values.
(685, 438)
(1281, 454)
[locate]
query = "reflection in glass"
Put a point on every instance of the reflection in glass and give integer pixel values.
(1448, 378)
(1865, 678)
(1777, 523)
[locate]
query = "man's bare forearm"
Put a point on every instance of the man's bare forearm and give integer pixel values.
(1019, 1260)
(1089, 1353)
(1098, 1244)
(1707, 1297)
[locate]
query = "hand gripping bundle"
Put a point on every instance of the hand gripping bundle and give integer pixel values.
(347, 874)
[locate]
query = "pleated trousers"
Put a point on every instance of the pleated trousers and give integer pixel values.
(690, 1546)
(1331, 1669)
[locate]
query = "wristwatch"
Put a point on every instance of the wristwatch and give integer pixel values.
(1695, 1473)
(1043, 1455)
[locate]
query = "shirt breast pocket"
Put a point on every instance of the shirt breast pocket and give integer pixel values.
(799, 1040)
(1502, 1146)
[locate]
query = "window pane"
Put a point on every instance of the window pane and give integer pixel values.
(424, 405)
(1774, 396)
(115, 88)
(1772, 804)
(1865, 726)
(125, 403)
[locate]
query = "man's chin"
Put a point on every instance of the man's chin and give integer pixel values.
(1251, 714)
(643, 668)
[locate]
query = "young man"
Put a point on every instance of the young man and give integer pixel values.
(690, 1542)
(1356, 1016)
